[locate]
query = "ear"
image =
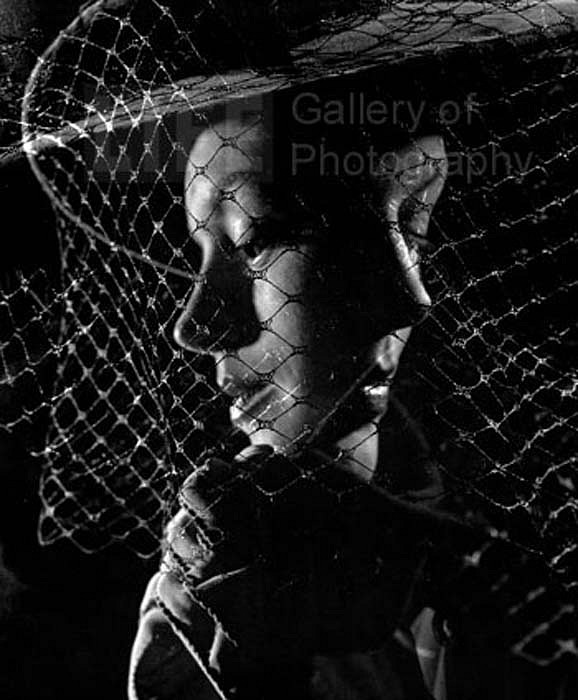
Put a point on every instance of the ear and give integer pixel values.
(412, 180)
(409, 184)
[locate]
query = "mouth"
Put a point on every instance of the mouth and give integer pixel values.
(239, 388)
(377, 396)
(249, 400)
(375, 389)
(254, 401)
(245, 398)
(366, 400)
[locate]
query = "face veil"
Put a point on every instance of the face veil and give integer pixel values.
(483, 396)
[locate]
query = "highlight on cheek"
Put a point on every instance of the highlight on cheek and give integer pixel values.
(302, 337)
(322, 370)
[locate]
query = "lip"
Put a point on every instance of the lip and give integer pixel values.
(245, 396)
(249, 404)
(377, 396)
(376, 389)
(237, 386)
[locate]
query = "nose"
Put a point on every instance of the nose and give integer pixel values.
(219, 314)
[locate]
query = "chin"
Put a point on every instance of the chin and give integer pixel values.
(302, 424)
(291, 429)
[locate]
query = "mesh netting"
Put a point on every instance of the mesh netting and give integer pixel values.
(92, 381)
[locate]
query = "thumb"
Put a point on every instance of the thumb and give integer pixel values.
(270, 471)
(254, 454)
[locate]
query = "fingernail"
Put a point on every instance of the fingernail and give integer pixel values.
(254, 452)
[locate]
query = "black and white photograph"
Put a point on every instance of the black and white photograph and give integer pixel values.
(289, 350)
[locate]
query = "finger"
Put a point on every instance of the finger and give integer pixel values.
(160, 666)
(195, 626)
(176, 598)
(270, 471)
(254, 454)
(200, 488)
(187, 547)
(236, 602)
(148, 600)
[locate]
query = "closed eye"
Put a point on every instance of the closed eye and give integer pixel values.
(262, 236)
(254, 248)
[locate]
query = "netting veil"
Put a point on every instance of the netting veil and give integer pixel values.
(91, 380)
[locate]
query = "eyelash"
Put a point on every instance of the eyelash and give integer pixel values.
(253, 249)
(263, 236)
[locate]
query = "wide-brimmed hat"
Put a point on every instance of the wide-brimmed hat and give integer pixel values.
(142, 59)
(122, 91)
(103, 127)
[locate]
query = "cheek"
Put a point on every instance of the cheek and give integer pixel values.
(290, 273)
(295, 299)
(304, 340)
(296, 421)
(282, 296)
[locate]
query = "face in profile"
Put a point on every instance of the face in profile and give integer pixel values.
(304, 297)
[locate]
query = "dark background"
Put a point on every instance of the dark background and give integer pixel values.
(67, 619)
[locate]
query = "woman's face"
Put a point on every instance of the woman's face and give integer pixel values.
(295, 316)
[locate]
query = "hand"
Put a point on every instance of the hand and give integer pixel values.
(287, 558)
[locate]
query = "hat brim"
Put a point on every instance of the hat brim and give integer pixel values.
(405, 32)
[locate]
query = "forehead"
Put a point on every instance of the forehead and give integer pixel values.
(228, 147)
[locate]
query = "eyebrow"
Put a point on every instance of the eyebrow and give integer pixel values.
(234, 177)
(269, 191)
